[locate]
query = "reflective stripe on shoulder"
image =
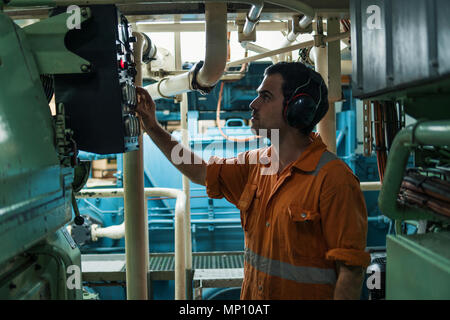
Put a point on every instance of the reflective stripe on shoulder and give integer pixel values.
(326, 157)
(288, 271)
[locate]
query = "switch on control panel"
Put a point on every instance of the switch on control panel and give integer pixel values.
(100, 104)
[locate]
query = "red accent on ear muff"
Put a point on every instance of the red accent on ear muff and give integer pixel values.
(290, 100)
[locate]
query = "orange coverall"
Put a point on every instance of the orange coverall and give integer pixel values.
(296, 223)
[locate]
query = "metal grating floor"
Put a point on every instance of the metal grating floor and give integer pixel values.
(111, 267)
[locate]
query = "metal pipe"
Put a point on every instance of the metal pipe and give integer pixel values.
(200, 27)
(297, 46)
(422, 133)
(370, 186)
(292, 36)
(327, 126)
(184, 179)
(252, 18)
(185, 183)
(118, 192)
(136, 223)
(188, 256)
(215, 57)
(258, 49)
(305, 21)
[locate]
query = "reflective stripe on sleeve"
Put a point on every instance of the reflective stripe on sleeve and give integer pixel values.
(288, 271)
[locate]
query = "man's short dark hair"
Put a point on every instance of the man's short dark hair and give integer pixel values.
(295, 74)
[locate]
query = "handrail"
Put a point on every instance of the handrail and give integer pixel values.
(180, 249)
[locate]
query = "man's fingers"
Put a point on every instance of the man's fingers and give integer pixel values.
(145, 95)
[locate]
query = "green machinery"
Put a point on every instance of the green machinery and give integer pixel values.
(39, 168)
(38, 259)
(401, 62)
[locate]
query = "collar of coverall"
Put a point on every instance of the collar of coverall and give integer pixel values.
(308, 160)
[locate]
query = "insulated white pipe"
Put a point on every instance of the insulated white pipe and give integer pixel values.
(135, 214)
(185, 142)
(292, 36)
(185, 181)
(119, 231)
(215, 57)
(112, 232)
(216, 44)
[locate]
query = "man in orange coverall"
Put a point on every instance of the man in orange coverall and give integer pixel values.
(302, 208)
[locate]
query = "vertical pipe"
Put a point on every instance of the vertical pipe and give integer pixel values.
(216, 44)
(328, 123)
(136, 219)
(327, 126)
(186, 190)
(185, 180)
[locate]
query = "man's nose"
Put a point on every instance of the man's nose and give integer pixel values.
(253, 104)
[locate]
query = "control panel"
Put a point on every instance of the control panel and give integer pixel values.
(100, 102)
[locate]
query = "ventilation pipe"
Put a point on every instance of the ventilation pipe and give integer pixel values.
(203, 76)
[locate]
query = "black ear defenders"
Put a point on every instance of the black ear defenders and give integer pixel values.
(300, 110)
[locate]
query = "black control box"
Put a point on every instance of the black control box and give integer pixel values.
(99, 103)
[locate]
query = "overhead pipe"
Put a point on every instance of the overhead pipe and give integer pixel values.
(436, 133)
(200, 27)
(252, 18)
(304, 22)
(181, 254)
(297, 46)
(327, 63)
(203, 76)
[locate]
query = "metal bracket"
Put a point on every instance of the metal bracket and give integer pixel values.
(318, 33)
(367, 122)
(46, 39)
(251, 37)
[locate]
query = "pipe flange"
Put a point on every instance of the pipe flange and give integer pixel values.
(94, 228)
(159, 91)
(194, 83)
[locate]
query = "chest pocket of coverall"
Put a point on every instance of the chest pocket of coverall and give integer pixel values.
(248, 204)
(305, 226)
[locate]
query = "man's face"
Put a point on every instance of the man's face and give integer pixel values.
(267, 107)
